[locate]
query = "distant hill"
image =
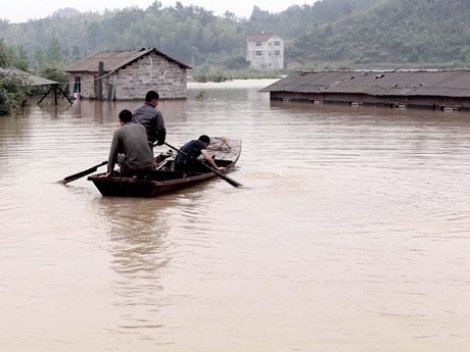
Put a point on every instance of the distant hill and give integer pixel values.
(422, 32)
(66, 12)
(298, 19)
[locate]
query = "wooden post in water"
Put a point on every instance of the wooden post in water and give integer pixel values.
(55, 93)
(55, 88)
(100, 80)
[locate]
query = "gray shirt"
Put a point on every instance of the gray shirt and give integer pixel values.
(152, 120)
(131, 140)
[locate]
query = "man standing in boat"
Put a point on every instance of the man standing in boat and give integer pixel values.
(187, 160)
(152, 119)
(129, 148)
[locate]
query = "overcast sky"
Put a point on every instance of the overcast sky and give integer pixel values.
(22, 10)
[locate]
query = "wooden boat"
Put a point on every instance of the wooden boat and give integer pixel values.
(164, 179)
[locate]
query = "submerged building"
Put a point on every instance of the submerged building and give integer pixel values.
(443, 89)
(128, 74)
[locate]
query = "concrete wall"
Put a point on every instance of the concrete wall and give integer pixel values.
(151, 72)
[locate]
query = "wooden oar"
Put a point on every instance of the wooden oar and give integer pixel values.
(82, 173)
(217, 172)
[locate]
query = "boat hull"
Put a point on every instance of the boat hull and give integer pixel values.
(164, 181)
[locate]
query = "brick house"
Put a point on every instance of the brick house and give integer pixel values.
(128, 75)
(265, 51)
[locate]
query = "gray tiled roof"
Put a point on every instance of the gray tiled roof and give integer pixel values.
(451, 83)
(114, 60)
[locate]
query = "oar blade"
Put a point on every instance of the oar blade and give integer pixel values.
(232, 182)
(81, 174)
(223, 176)
(78, 175)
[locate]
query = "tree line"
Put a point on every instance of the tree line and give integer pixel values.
(351, 32)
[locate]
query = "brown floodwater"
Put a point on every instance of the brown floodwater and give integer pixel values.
(351, 233)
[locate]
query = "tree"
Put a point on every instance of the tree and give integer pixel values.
(21, 59)
(5, 55)
(11, 91)
(53, 54)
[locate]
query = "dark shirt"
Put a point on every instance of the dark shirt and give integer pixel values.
(192, 148)
(152, 120)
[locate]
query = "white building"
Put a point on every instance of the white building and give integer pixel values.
(265, 51)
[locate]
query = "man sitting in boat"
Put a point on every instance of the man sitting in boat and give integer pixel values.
(130, 148)
(193, 149)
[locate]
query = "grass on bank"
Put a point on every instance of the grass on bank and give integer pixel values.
(222, 76)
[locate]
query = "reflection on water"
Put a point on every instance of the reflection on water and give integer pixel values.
(352, 232)
(137, 235)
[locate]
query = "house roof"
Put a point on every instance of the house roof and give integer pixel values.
(258, 37)
(115, 60)
(451, 83)
(27, 78)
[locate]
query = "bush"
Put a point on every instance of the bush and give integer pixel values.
(12, 93)
(222, 76)
(210, 76)
(54, 75)
(5, 101)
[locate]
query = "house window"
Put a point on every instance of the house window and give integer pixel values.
(258, 43)
(259, 53)
(277, 52)
(277, 43)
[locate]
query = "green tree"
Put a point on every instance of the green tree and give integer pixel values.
(5, 55)
(11, 92)
(53, 53)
